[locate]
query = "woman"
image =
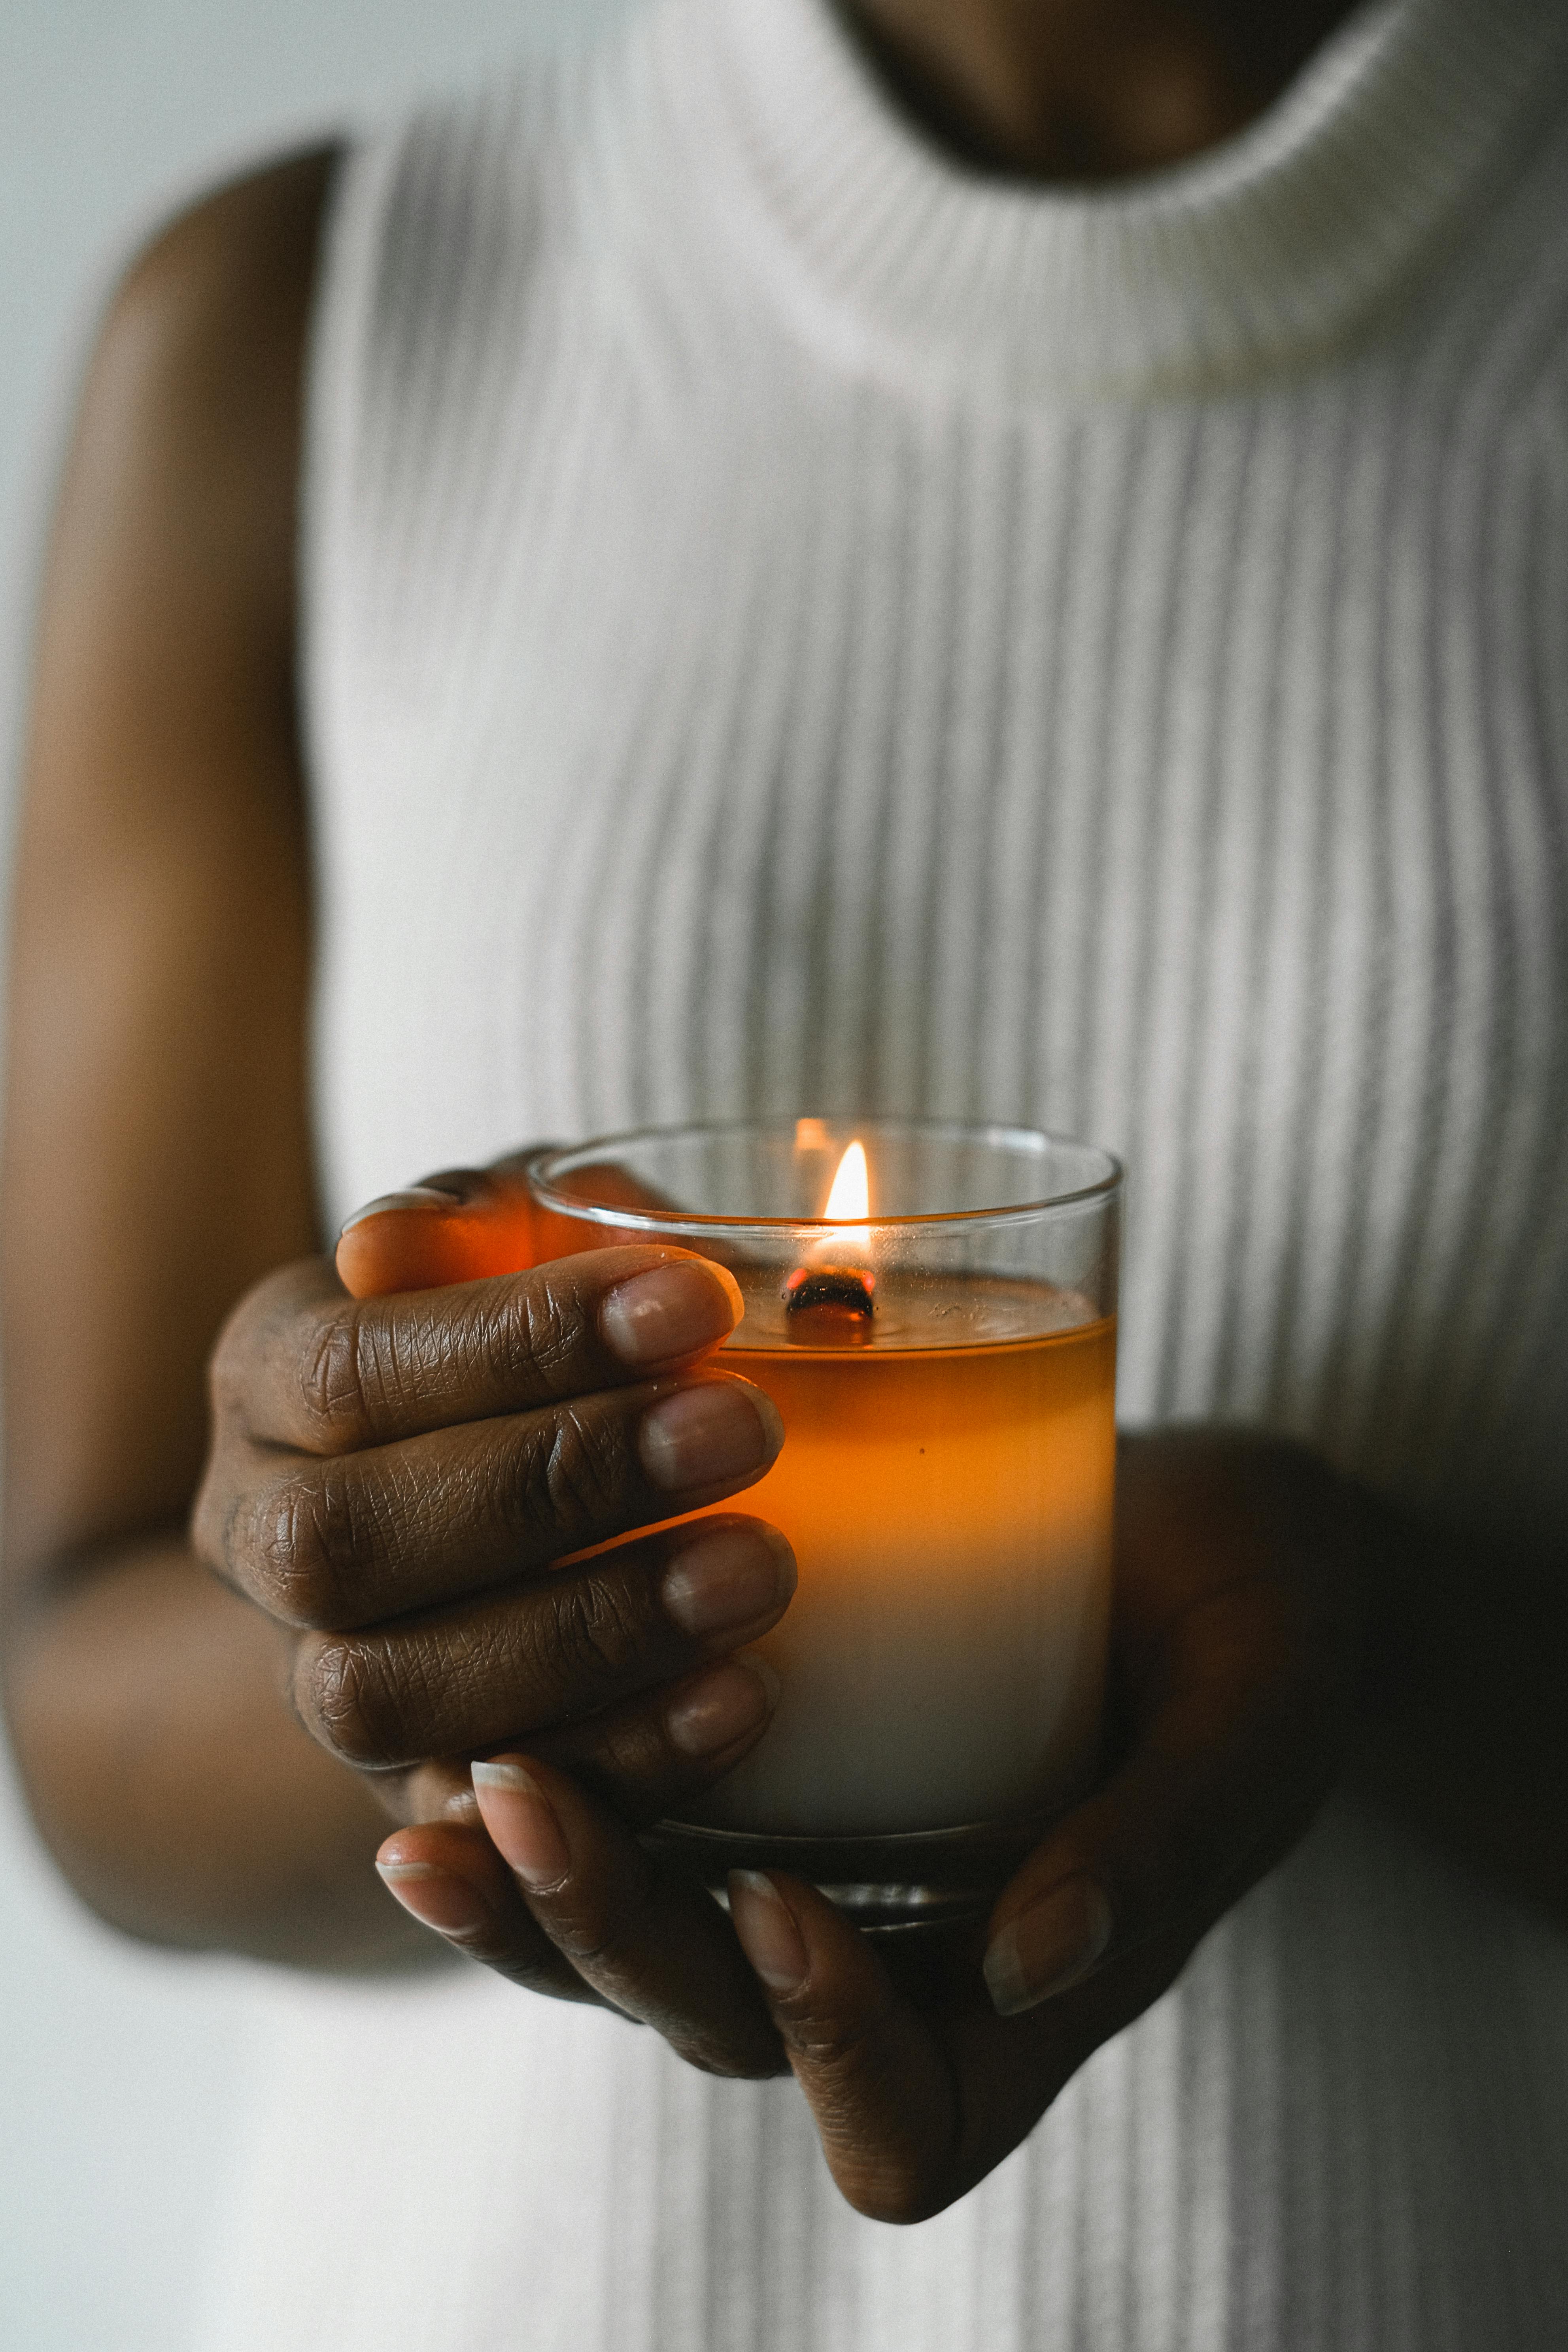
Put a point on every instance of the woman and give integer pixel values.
(807, 605)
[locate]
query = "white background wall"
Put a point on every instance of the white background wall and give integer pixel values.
(117, 2067)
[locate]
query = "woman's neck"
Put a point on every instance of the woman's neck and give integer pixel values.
(1087, 89)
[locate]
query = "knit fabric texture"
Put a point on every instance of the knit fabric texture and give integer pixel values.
(793, 625)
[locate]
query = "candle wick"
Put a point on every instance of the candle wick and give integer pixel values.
(836, 1295)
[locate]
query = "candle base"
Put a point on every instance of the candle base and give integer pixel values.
(900, 1885)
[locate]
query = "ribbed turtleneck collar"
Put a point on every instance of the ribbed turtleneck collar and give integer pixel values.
(1266, 252)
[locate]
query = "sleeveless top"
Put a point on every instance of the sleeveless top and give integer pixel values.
(795, 627)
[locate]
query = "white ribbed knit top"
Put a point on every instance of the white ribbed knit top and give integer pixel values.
(794, 627)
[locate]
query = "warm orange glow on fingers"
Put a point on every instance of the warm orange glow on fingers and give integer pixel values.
(419, 1249)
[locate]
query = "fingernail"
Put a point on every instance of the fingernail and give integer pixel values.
(711, 1715)
(416, 1197)
(437, 1898)
(726, 1581)
(521, 1820)
(1047, 1947)
(769, 1936)
(672, 1311)
(706, 1435)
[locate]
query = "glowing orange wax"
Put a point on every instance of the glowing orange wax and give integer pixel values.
(950, 1508)
(948, 1396)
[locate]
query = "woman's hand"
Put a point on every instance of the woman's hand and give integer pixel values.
(1234, 1670)
(400, 1482)
(1232, 1673)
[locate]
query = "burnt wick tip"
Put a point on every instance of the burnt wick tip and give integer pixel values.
(841, 1289)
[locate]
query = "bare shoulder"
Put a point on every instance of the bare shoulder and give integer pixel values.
(214, 308)
(258, 231)
(180, 484)
(157, 1152)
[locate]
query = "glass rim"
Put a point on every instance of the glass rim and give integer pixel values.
(553, 1161)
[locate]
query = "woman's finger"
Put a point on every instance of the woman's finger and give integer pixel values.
(1235, 1633)
(460, 1224)
(303, 1367)
(1227, 1771)
(649, 1940)
(916, 2099)
(557, 1650)
(879, 2082)
(655, 1753)
(354, 1539)
(450, 1878)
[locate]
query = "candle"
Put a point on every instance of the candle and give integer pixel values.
(932, 1310)
(950, 1509)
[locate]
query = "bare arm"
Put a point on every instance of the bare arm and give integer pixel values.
(217, 1728)
(157, 1156)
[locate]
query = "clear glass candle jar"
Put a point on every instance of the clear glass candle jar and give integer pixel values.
(942, 1348)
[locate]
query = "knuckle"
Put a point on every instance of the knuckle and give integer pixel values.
(551, 1329)
(221, 1530)
(576, 1473)
(530, 1342)
(595, 1927)
(630, 1766)
(314, 1546)
(597, 1634)
(240, 1351)
(338, 1379)
(840, 2050)
(341, 1693)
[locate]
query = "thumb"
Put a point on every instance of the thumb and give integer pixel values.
(1225, 1777)
(465, 1223)
(879, 2085)
(458, 1225)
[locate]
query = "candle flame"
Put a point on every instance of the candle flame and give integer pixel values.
(850, 1201)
